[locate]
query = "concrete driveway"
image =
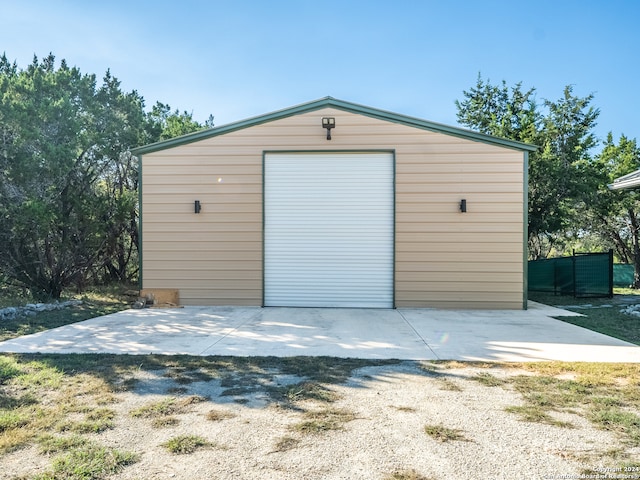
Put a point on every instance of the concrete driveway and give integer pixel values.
(412, 334)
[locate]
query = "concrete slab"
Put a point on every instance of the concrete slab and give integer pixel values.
(338, 332)
(515, 336)
(412, 334)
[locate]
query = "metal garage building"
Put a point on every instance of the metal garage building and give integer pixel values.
(379, 210)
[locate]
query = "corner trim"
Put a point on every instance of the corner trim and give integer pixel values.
(525, 230)
(140, 222)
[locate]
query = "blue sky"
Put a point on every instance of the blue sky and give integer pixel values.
(236, 59)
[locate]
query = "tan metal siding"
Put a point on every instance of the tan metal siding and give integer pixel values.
(444, 258)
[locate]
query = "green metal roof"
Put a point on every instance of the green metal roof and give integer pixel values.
(340, 105)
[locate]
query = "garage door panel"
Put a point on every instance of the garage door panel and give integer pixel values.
(329, 230)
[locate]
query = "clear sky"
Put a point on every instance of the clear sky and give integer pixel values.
(236, 59)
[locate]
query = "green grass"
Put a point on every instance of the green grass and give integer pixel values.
(488, 380)
(185, 444)
(606, 394)
(88, 461)
(165, 422)
(167, 406)
(50, 444)
(536, 414)
(96, 421)
(286, 443)
(324, 420)
(95, 303)
(450, 385)
(607, 320)
(303, 391)
(215, 415)
(626, 424)
(445, 434)
(43, 395)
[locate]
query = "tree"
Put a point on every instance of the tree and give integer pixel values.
(68, 182)
(494, 110)
(612, 215)
(166, 124)
(557, 170)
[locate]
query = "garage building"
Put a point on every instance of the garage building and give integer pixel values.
(334, 204)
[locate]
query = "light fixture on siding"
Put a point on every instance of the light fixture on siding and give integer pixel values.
(328, 123)
(196, 206)
(463, 205)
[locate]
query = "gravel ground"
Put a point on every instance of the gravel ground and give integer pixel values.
(255, 437)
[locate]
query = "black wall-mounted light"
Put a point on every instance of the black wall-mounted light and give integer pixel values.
(463, 205)
(196, 206)
(328, 123)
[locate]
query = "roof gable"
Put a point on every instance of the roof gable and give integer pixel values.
(340, 105)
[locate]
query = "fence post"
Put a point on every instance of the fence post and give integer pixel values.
(573, 271)
(611, 273)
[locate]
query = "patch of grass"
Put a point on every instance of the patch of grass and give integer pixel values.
(324, 420)
(9, 369)
(54, 443)
(164, 422)
(167, 407)
(304, 391)
(536, 414)
(488, 380)
(406, 475)
(12, 419)
(617, 420)
(37, 374)
(160, 408)
(96, 303)
(219, 415)
(286, 443)
(588, 373)
(606, 394)
(184, 444)
(95, 421)
(450, 385)
(15, 438)
(23, 424)
(11, 402)
(445, 434)
(609, 321)
(88, 461)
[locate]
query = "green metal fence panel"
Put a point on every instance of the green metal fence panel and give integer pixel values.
(593, 275)
(581, 275)
(564, 276)
(623, 275)
(542, 276)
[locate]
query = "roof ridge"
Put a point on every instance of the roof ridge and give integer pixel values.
(344, 105)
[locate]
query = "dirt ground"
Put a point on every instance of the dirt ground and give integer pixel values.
(373, 426)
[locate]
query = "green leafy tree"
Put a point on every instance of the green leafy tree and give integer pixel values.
(561, 172)
(68, 182)
(612, 216)
(167, 124)
(564, 137)
(48, 228)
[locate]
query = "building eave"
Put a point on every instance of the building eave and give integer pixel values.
(330, 102)
(629, 180)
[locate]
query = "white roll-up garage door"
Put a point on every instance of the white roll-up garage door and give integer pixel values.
(329, 229)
